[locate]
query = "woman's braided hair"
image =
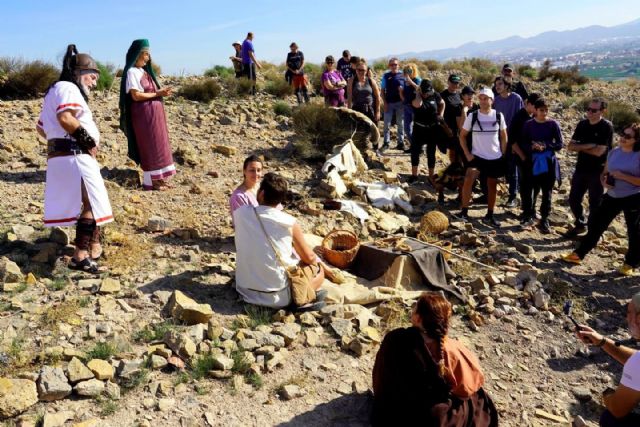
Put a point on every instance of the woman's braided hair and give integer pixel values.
(435, 311)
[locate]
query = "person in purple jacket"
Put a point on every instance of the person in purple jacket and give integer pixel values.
(541, 139)
(508, 103)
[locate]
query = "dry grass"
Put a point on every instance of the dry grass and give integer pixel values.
(124, 252)
(65, 312)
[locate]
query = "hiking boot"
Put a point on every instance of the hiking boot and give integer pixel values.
(480, 200)
(543, 226)
(572, 258)
(575, 231)
(491, 221)
(626, 270)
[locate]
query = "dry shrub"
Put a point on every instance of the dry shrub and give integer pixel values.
(202, 91)
(156, 68)
(238, 87)
(485, 78)
(277, 86)
(527, 71)
(282, 108)
(432, 64)
(220, 71)
(26, 79)
(621, 115)
(566, 78)
(438, 85)
(124, 252)
(318, 129)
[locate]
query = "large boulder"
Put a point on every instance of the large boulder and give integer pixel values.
(16, 396)
(53, 384)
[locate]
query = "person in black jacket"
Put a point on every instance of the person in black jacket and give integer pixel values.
(523, 162)
(516, 85)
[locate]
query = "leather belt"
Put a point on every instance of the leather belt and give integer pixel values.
(58, 147)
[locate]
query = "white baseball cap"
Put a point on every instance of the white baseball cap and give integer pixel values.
(236, 42)
(486, 91)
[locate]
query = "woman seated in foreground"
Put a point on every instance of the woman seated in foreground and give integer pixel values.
(245, 193)
(422, 377)
(265, 241)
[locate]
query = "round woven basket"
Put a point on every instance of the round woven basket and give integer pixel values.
(340, 247)
(434, 222)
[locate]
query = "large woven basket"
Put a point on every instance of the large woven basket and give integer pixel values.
(434, 223)
(340, 248)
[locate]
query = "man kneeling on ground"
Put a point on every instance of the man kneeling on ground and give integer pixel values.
(621, 401)
(265, 241)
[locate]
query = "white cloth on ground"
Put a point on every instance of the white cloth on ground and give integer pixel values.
(260, 278)
(354, 209)
(386, 196)
(346, 159)
(63, 190)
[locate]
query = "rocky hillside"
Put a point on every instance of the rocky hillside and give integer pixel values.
(162, 339)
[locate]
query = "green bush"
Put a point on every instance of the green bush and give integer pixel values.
(220, 71)
(621, 115)
(527, 71)
(432, 64)
(380, 66)
(566, 78)
(485, 78)
(438, 84)
(105, 81)
(238, 87)
(278, 87)
(282, 108)
(26, 79)
(318, 129)
(202, 91)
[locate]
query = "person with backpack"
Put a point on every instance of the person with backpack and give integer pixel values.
(508, 103)
(489, 144)
(295, 73)
(363, 94)
(392, 93)
(428, 108)
(541, 139)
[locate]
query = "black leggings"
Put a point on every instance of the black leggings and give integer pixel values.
(424, 136)
(606, 212)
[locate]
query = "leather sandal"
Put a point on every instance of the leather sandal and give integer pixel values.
(87, 265)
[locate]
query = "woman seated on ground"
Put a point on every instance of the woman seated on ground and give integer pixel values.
(246, 192)
(422, 377)
(333, 84)
(621, 178)
(260, 232)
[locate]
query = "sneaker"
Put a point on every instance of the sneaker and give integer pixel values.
(572, 258)
(543, 226)
(575, 231)
(626, 270)
(490, 220)
(480, 200)
(511, 202)
(412, 179)
(527, 222)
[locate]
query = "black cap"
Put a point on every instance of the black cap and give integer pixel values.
(467, 90)
(507, 67)
(426, 86)
(454, 78)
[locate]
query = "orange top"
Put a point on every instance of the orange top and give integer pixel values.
(464, 373)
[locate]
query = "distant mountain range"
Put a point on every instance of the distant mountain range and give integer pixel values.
(550, 41)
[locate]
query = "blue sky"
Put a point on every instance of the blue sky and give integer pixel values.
(188, 36)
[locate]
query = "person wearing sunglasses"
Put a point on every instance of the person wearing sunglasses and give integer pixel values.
(592, 139)
(333, 84)
(363, 94)
(392, 94)
(621, 178)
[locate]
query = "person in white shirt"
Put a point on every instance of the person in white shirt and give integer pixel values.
(261, 278)
(620, 402)
(74, 193)
(486, 157)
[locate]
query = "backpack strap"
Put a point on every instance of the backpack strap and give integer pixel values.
(474, 120)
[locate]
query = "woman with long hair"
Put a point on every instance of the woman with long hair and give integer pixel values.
(247, 192)
(423, 377)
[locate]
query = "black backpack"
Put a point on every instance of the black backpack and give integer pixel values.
(474, 120)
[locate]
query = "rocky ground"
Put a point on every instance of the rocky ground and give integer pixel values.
(162, 339)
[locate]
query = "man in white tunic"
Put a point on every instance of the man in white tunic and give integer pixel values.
(75, 193)
(620, 403)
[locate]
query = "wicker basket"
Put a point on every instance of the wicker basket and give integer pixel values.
(434, 223)
(340, 248)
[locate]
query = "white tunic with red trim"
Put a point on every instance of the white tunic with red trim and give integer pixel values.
(65, 174)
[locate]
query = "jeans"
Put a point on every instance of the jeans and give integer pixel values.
(408, 120)
(606, 212)
(396, 108)
(526, 187)
(580, 183)
(512, 173)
